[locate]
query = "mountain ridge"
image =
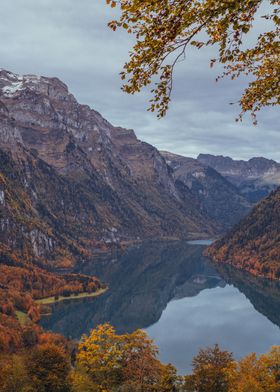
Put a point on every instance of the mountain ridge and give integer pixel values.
(92, 185)
(86, 185)
(254, 178)
(220, 198)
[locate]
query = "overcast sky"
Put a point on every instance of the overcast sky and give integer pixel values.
(70, 39)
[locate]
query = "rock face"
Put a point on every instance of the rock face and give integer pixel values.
(70, 182)
(255, 178)
(254, 245)
(218, 197)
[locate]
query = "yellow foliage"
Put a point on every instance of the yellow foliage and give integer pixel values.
(111, 360)
(258, 374)
(165, 29)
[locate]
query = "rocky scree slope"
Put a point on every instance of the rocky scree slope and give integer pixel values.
(70, 182)
(220, 199)
(255, 178)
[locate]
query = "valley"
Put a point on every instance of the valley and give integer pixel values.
(180, 298)
(139, 196)
(98, 226)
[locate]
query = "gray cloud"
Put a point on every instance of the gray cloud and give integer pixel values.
(70, 39)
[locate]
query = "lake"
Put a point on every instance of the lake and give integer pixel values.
(180, 298)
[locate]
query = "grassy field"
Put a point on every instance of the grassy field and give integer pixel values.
(52, 300)
(22, 317)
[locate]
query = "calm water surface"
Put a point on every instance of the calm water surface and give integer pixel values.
(181, 299)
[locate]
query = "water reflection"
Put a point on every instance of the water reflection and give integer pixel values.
(263, 294)
(142, 281)
(182, 300)
(219, 315)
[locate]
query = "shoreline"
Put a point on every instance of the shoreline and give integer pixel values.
(52, 300)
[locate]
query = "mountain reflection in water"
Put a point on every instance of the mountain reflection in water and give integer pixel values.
(183, 300)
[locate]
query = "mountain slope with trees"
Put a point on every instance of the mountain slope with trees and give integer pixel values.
(71, 183)
(254, 244)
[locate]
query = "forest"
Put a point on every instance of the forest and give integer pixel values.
(253, 245)
(107, 362)
(21, 284)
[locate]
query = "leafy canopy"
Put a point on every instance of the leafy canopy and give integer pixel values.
(212, 371)
(106, 361)
(164, 29)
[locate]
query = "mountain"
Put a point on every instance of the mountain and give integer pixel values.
(71, 183)
(254, 245)
(255, 178)
(219, 198)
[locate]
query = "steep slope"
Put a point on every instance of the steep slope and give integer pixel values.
(218, 197)
(21, 283)
(72, 183)
(44, 215)
(255, 178)
(254, 245)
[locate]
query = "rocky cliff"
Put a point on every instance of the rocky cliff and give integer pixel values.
(255, 178)
(71, 182)
(220, 199)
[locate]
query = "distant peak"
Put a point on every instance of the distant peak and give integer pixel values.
(227, 158)
(170, 154)
(207, 156)
(261, 159)
(11, 84)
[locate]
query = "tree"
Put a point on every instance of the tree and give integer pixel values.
(212, 371)
(258, 374)
(81, 381)
(164, 29)
(100, 355)
(128, 362)
(140, 365)
(13, 375)
(169, 381)
(272, 363)
(48, 369)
